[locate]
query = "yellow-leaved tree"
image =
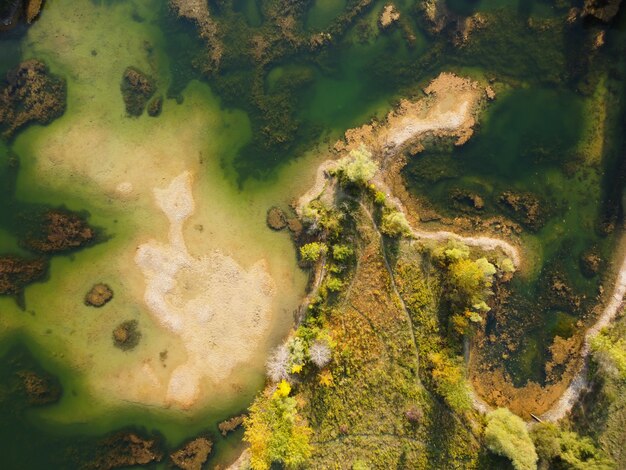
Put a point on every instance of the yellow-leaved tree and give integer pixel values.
(276, 432)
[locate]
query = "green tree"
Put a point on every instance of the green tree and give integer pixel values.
(394, 224)
(342, 252)
(312, 251)
(357, 168)
(506, 435)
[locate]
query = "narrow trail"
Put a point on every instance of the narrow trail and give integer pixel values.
(395, 288)
(579, 383)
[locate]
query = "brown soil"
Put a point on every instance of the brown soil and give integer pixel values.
(30, 94)
(230, 424)
(60, 231)
(137, 88)
(193, 454)
(16, 273)
(125, 449)
(99, 295)
(40, 389)
(276, 219)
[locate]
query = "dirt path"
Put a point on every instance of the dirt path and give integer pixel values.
(579, 382)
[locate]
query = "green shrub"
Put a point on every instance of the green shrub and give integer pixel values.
(507, 266)
(334, 284)
(394, 224)
(506, 435)
(449, 380)
(380, 198)
(312, 251)
(471, 279)
(609, 354)
(342, 252)
(357, 168)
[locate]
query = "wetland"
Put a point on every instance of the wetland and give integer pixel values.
(312, 233)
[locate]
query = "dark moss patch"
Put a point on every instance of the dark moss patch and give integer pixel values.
(137, 88)
(59, 231)
(125, 449)
(231, 424)
(155, 106)
(193, 454)
(40, 388)
(16, 273)
(30, 94)
(525, 208)
(126, 336)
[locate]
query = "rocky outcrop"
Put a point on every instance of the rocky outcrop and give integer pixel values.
(604, 10)
(30, 94)
(99, 295)
(137, 89)
(193, 454)
(126, 336)
(124, 449)
(16, 273)
(58, 232)
(40, 389)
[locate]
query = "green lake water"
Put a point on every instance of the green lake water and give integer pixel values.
(531, 139)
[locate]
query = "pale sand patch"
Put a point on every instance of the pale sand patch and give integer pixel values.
(96, 158)
(219, 309)
(447, 110)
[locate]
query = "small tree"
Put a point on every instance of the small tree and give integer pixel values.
(472, 279)
(357, 168)
(394, 224)
(311, 252)
(276, 432)
(449, 380)
(320, 354)
(342, 252)
(277, 365)
(506, 435)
